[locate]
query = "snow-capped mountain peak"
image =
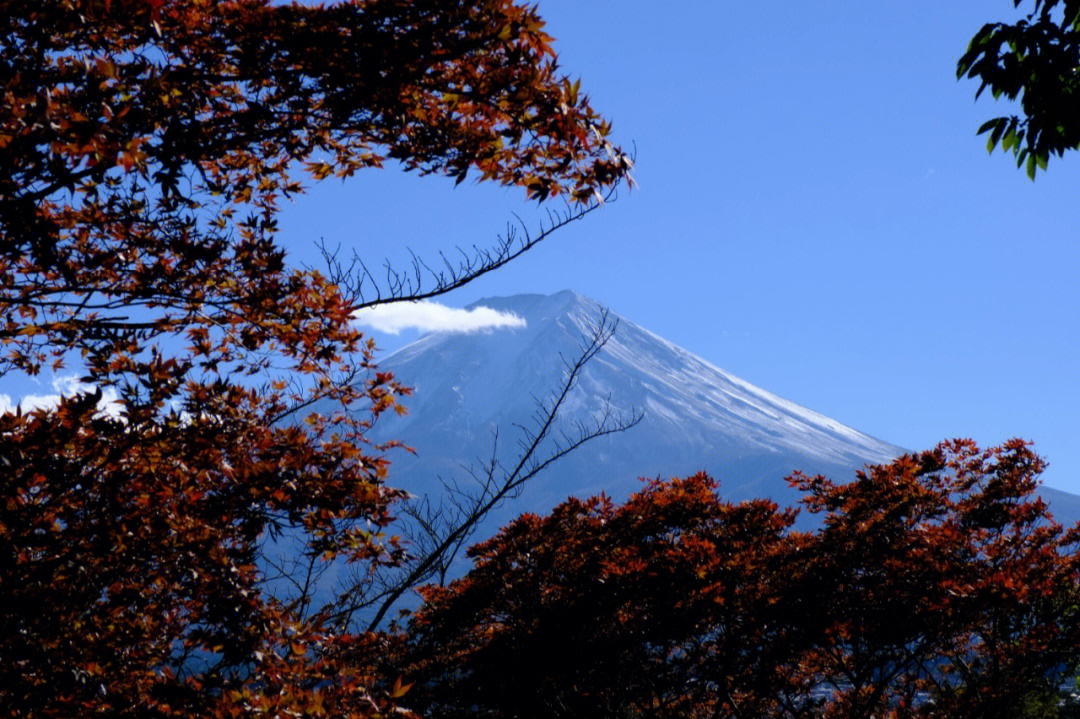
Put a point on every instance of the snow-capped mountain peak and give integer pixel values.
(696, 415)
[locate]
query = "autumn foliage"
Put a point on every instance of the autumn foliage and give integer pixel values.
(937, 585)
(146, 148)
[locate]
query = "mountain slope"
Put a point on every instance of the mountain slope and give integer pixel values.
(468, 387)
(696, 416)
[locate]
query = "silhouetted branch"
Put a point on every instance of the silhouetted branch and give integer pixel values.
(439, 531)
(421, 280)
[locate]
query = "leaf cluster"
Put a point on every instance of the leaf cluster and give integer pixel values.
(145, 147)
(934, 586)
(130, 583)
(1034, 61)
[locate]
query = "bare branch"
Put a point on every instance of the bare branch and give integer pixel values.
(439, 531)
(421, 280)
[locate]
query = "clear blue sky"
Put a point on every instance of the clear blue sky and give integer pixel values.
(815, 215)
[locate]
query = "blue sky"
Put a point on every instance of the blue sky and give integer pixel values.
(815, 215)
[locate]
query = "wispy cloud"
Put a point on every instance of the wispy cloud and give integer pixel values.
(433, 317)
(65, 386)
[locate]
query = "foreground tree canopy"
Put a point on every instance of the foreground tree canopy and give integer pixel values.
(935, 586)
(146, 147)
(1036, 61)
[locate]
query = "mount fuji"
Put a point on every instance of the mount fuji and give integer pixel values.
(473, 392)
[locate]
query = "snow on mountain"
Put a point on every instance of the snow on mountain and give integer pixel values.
(470, 386)
(697, 417)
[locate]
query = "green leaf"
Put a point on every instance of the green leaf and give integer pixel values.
(1031, 166)
(999, 128)
(1010, 140)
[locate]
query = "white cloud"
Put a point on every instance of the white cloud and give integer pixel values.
(62, 386)
(433, 317)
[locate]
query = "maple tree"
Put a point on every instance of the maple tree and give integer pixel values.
(934, 586)
(1033, 61)
(667, 605)
(146, 147)
(942, 586)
